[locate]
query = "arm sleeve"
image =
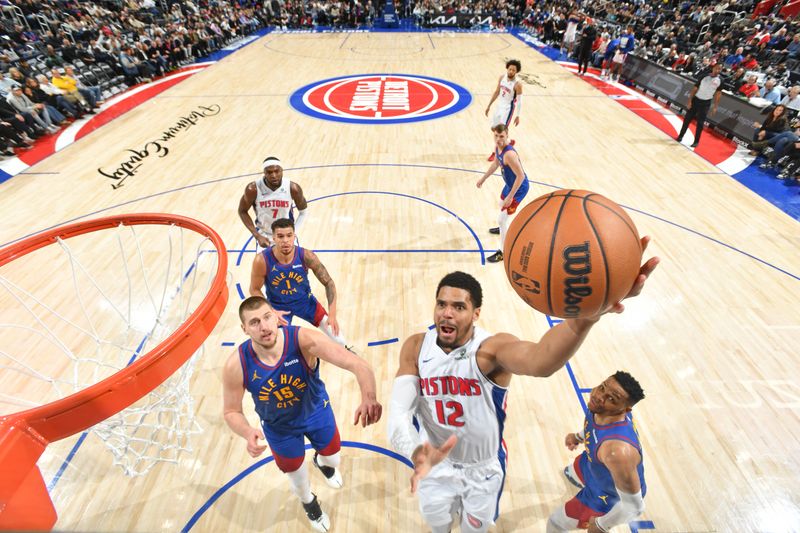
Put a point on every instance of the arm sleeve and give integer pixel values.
(627, 508)
(403, 436)
(301, 216)
(519, 104)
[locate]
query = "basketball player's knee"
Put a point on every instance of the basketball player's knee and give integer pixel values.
(289, 464)
(502, 218)
(332, 460)
(559, 521)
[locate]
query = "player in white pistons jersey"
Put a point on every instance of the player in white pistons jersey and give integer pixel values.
(453, 381)
(508, 94)
(271, 198)
(477, 412)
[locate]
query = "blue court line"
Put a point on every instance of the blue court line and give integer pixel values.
(412, 197)
(553, 321)
(717, 241)
(430, 251)
(398, 165)
(431, 40)
(584, 391)
(474, 235)
(229, 344)
(63, 466)
(239, 290)
(250, 469)
(641, 524)
(576, 387)
(387, 341)
(37, 173)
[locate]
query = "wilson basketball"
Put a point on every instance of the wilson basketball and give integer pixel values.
(572, 253)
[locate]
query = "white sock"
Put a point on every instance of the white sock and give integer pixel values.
(560, 522)
(329, 460)
(300, 484)
(502, 221)
(326, 329)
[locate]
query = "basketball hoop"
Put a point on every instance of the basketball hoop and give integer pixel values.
(24, 500)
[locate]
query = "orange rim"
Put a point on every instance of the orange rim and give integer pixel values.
(24, 435)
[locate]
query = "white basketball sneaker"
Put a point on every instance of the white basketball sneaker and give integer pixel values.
(319, 520)
(332, 476)
(572, 476)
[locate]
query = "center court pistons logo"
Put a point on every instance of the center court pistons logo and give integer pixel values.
(380, 99)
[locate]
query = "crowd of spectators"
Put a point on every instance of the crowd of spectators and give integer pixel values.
(760, 54)
(112, 44)
(60, 59)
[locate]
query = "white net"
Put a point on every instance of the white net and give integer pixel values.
(77, 311)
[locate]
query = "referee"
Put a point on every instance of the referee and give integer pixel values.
(709, 86)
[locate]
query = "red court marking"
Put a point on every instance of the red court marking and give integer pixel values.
(366, 97)
(45, 146)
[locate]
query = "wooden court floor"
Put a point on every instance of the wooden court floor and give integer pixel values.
(713, 339)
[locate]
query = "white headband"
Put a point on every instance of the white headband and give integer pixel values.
(268, 162)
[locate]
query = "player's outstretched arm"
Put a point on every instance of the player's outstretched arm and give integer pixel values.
(314, 344)
(232, 394)
(492, 168)
(559, 344)
(315, 265)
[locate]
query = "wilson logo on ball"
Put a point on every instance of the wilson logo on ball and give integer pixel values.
(577, 264)
(380, 99)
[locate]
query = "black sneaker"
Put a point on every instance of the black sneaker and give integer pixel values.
(694, 144)
(332, 476)
(496, 257)
(319, 520)
(494, 231)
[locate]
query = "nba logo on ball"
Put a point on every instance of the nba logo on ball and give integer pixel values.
(380, 99)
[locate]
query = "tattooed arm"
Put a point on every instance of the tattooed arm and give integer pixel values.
(314, 264)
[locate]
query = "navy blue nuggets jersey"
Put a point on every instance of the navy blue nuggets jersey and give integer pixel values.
(508, 175)
(599, 492)
(288, 395)
(287, 285)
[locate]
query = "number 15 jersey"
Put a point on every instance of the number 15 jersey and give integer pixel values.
(456, 398)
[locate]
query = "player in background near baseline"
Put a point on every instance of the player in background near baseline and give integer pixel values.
(509, 92)
(279, 366)
(453, 381)
(610, 471)
(515, 184)
(272, 198)
(282, 269)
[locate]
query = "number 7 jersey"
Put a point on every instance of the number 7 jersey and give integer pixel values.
(456, 398)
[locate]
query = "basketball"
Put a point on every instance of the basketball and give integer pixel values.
(572, 253)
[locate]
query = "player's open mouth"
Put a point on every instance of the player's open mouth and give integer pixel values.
(447, 330)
